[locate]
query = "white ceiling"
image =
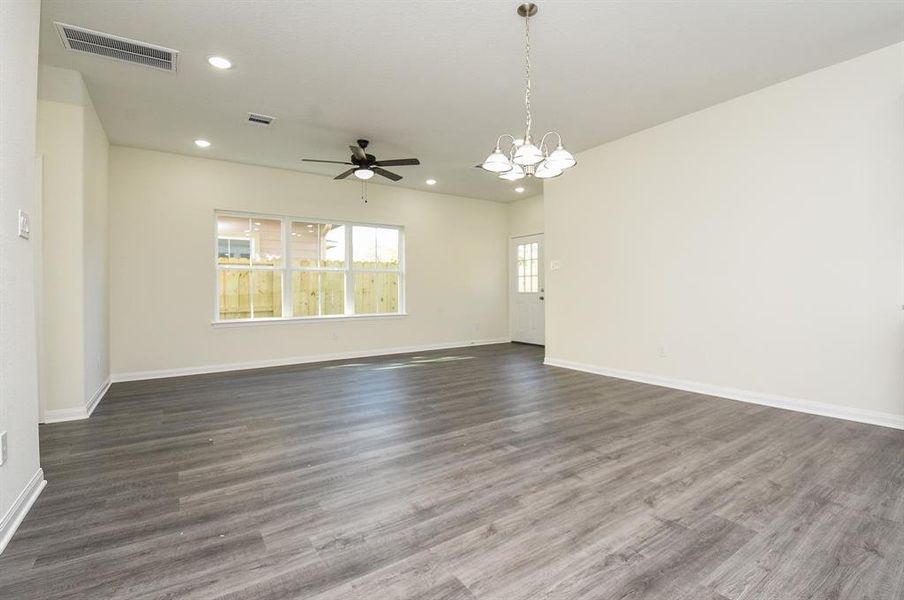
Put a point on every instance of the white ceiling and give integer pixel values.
(439, 80)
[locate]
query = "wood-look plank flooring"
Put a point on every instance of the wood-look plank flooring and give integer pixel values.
(468, 474)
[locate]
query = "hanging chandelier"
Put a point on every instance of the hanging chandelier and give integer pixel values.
(524, 158)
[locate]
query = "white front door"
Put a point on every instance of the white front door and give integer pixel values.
(526, 290)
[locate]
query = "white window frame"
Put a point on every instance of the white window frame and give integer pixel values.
(287, 269)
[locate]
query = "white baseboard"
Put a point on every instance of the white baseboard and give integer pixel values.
(61, 415)
(13, 517)
(296, 360)
(805, 406)
(98, 395)
(74, 414)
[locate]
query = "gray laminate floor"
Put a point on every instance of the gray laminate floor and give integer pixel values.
(466, 474)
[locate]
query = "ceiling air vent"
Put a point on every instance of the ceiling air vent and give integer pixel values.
(118, 48)
(257, 119)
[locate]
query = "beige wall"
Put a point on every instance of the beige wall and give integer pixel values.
(59, 140)
(96, 258)
(756, 246)
(75, 290)
(526, 216)
(163, 276)
(21, 476)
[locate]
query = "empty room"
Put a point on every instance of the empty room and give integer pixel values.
(451, 300)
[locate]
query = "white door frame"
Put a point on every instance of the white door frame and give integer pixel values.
(512, 284)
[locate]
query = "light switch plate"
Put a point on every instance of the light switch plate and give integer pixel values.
(24, 224)
(555, 265)
(2, 447)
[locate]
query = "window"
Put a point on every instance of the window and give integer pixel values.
(280, 267)
(528, 268)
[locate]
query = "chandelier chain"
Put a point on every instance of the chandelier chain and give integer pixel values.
(527, 76)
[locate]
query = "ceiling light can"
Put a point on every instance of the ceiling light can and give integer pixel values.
(219, 62)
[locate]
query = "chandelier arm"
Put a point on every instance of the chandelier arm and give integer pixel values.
(504, 135)
(543, 139)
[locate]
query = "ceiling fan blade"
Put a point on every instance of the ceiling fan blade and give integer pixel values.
(346, 173)
(386, 174)
(334, 162)
(358, 152)
(397, 162)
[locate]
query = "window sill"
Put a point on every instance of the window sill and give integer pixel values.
(280, 320)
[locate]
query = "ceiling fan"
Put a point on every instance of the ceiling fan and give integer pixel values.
(365, 165)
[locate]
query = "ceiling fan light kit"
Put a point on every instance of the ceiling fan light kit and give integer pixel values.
(524, 158)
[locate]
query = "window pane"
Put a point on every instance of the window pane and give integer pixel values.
(332, 248)
(235, 294)
(388, 248)
(364, 247)
(303, 244)
(266, 242)
(317, 245)
(520, 251)
(376, 293)
(316, 293)
(375, 247)
(233, 240)
(332, 289)
(266, 287)
(305, 301)
(239, 250)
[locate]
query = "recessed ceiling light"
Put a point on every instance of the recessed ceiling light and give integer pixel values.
(257, 223)
(519, 189)
(219, 62)
(430, 182)
(202, 143)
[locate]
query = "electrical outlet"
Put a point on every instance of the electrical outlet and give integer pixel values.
(2, 447)
(662, 352)
(555, 265)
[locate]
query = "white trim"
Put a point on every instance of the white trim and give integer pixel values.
(275, 320)
(74, 414)
(61, 415)
(13, 517)
(99, 395)
(296, 360)
(812, 407)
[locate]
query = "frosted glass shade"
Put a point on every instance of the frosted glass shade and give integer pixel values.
(497, 162)
(515, 173)
(545, 170)
(561, 159)
(528, 154)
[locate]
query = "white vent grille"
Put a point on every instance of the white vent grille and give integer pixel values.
(259, 119)
(84, 40)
